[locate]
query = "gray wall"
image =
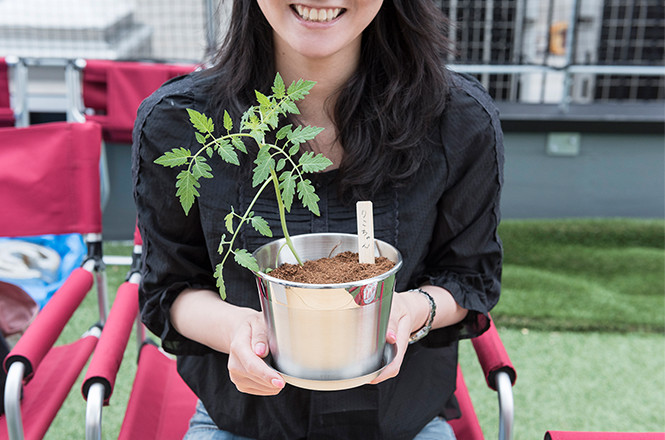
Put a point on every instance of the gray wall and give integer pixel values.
(614, 175)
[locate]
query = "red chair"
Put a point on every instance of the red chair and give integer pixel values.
(113, 90)
(13, 113)
(160, 404)
(50, 181)
(571, 435)
(500, 376)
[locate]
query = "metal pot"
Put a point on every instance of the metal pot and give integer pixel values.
(326, 336)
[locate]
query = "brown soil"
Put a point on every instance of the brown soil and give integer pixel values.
(342, 268)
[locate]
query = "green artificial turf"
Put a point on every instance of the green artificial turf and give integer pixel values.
(582, 315)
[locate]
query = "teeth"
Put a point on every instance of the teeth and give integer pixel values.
(318, 15)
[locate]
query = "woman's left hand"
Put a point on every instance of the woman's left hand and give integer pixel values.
(409, 312)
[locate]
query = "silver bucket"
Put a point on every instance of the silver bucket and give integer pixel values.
(326, 336)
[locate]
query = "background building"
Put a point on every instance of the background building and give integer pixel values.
(580, 85)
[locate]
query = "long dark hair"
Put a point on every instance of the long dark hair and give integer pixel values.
(383, 113)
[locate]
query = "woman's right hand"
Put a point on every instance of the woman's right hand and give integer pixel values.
(241, 332)
(247, 369)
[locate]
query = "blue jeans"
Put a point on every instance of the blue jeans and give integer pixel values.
(201, 427)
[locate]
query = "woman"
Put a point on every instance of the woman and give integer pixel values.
(422, 143)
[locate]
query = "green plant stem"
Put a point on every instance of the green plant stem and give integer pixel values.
(282, 215)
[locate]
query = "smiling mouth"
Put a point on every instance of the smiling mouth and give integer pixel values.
(322, 15)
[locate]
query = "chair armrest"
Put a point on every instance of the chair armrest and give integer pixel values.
(47, 326)
(100, 378)
(493, 357)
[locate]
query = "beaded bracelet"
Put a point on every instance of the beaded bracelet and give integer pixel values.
(417, 336)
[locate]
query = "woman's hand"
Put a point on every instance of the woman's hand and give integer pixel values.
(247, 369)
(410, 312)
(202, 316)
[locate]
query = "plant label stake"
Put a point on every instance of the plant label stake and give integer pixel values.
(365, 219)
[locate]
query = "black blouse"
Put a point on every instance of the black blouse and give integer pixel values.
(444, 222)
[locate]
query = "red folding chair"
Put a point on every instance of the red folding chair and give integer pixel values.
(112, 91)
(500, 376)
(160, 404)
(572, 435)
(50, 181)
(12, 111)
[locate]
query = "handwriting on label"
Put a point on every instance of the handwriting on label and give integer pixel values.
(365, 221)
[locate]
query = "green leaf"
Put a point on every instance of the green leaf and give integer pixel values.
(261, 226)
(264, 163)
(201, 139)
(220, 280)
(226, 151)
(174, 158)
(278, 87)
(271, 119)
(209, 151)
(239, 144)
(283, 132)
(200, 168)
(186, 184)
(311, 163)
(294, 149)
(246, 260)
(228, 122)
(200, 121)
(289, 107)
(287, 187)
(262, 99)
(280, 164)
(228, 221)
(304, 134)
(308, 196)
(299, 89)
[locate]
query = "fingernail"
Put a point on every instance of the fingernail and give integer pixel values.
(392, 336)
(260, 349)
(278, 383)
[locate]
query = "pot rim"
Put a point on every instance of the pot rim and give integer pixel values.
(383, 276)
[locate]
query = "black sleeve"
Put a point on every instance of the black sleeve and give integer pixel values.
(465, 255)
(175, 255)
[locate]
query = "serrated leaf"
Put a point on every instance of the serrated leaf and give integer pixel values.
(228, 221)
(209, 151)
(261, 226)
(239, 144)
(307, 196)
(287, 187)
(246, 260)
(278, 87)
(283, 132)
(272, 119)
(228, 122)
(200, 121)
(299, 89)
(264, 163)
(311, 163)
(304, 134)
(226, 152)
(289, 107)
(200, 168)
(174, 158)
(262, 99)
(219, 269)
(186, 185)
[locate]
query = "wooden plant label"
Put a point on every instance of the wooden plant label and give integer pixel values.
(365, 219)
